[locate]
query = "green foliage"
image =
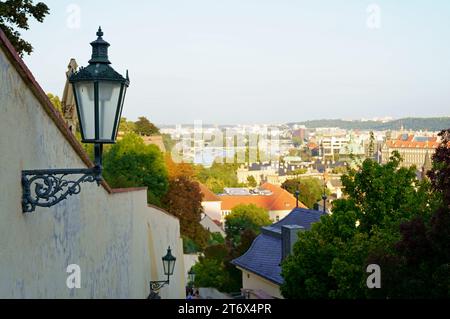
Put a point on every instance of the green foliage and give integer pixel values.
(216, 239)
(131, 163)
(311, 189)
(144, 127)
(251, 181)
(218, 176)
(126, 126)
(330, 260)
(184, 201)
(189, 246)
(215, 268)
(14, 14)
(212, 270)
(245, 217)
(299, 171)
(56, 102)
(419, 264)
(339, 170)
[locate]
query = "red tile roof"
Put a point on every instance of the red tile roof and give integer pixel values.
(411, 143)
(279, 200)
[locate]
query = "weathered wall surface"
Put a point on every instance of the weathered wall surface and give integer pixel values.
(115, 238)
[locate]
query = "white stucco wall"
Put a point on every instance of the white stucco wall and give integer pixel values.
(213, 210)
(116, 239)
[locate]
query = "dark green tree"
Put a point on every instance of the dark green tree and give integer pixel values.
(251, 181)
(245, 217)
(419, 265)
(311, 189)
(131, 163)
(144, 127)
(14, 14)
(330, 260)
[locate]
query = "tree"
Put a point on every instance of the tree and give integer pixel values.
(419, 264)
(126, 126)
(178, 169)
(218, 176)
(251, 181)
(311, 189)
(144, 127)
(131, 163)
(214, 269)
(330, 260)
(245, 217)
(184, 201)
(56, 102)
(14, 14)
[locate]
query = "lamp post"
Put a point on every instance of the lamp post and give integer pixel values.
(169, 266)
(99, 96)
(191, 276)
(297, 194)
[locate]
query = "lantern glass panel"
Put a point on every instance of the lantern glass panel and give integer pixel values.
(85, 98)
(108, 102)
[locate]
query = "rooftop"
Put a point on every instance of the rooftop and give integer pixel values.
(263, 258)
(279, 199)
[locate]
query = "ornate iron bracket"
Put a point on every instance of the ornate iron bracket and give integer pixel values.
(45, 188)
(155, 286)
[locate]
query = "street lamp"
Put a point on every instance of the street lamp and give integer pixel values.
(99, 93)
(191, 275)
(169, 266)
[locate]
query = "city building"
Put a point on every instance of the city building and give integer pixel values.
(413, 149)
(261, 264)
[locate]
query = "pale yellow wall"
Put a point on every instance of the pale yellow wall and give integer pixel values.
(112, 237)
(254, 282)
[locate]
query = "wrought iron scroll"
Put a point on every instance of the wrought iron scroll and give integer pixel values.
(45, 188)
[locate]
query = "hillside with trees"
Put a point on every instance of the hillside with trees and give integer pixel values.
(416, 124)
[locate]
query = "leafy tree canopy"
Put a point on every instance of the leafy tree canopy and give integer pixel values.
(311, 189)
(245, 217)
(330, 260)
(14, 14)
(55, 101)
(131, 163)
(144, 127)
(184, 200)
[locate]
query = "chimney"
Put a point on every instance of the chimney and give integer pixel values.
(289, 235)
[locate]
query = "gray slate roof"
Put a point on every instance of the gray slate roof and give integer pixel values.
(264, 255)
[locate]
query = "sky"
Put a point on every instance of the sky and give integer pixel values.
(257, 61)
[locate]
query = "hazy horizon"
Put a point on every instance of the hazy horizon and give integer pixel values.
(258, 61)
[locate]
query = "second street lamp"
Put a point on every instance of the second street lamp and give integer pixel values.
(169, 266)
(191, 276)
(99, 93)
